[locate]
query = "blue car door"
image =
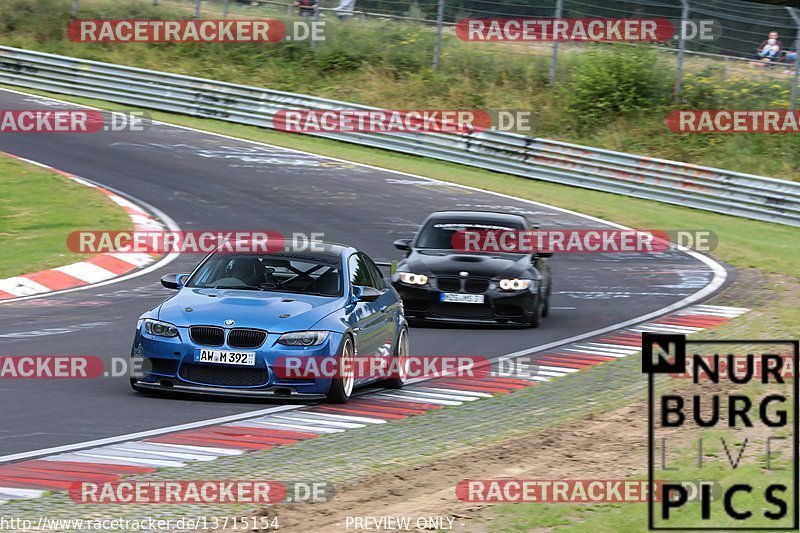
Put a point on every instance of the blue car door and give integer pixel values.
(368, 317)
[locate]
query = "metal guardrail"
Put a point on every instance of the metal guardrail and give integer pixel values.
(711, 189)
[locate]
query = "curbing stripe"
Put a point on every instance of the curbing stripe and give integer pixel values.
(102, 267)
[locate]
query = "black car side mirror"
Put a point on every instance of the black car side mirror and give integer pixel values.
(403, 244)
(173, 281)
(365, 294)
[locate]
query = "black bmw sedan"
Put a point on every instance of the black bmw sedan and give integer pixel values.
(440, 280)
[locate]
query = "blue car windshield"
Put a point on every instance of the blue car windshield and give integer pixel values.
(298, 274)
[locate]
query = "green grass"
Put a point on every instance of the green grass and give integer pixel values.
(38, 209)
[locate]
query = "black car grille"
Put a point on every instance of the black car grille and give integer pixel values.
(449, 284)
(246, 338)
(159, 366)
(476, 285)
(224, 375)
(206, 335)
(472, 285)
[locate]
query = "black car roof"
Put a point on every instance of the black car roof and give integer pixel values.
(482, 216)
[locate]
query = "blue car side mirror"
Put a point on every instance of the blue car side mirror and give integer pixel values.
(365, 294)
(174, 281)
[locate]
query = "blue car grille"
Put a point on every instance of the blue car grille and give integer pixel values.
(246, 338)
(208, 336)
(237, 338)
(224, 375)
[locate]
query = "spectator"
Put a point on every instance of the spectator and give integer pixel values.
(345, 9)
(306, 7)
(771, 47)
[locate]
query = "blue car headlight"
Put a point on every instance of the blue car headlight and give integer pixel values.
(160, 329)
(303, 338)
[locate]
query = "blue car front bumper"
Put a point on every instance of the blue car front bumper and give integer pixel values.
(168, 364)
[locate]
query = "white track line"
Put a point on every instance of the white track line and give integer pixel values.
(144, 434)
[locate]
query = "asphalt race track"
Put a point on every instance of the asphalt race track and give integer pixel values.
(207, 182)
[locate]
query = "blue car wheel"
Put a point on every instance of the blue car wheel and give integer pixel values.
(342, 386)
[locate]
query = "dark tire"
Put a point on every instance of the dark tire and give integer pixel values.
(546, 307)
(401, 355)
(536, 319)
(342, 386)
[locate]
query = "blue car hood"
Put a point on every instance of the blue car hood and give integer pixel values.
(248, 309)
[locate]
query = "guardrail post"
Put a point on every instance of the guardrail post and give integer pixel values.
(437, 47)
(681, 50)
(197, 8)
(796, 19)
(74, 9)
(554, 58)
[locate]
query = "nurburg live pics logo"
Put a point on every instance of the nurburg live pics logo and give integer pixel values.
(745, 419)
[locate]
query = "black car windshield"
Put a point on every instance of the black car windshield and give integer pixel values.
(299, 274)
(438, 234)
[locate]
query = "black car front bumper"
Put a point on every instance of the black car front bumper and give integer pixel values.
(499, 306)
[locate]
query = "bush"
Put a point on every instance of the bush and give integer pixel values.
(618, 80)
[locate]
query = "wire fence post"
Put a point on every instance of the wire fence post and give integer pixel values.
(554, 57)
(796, 18)
(224, 9)
(197, 8)
(74, 9)
(681, 50)
(437, 47)
(314, 19)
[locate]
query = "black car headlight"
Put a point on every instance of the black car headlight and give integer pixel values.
(303, 338)
(160, 329)
(514, 284)
(412, 279)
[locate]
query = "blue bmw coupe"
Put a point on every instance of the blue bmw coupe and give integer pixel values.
(237, 315)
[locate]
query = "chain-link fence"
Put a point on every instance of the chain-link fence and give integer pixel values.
(741, 27)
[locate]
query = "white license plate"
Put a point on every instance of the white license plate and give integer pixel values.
(225, 357)
(462, 298)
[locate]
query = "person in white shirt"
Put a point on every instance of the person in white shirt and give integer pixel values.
(345, 9)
